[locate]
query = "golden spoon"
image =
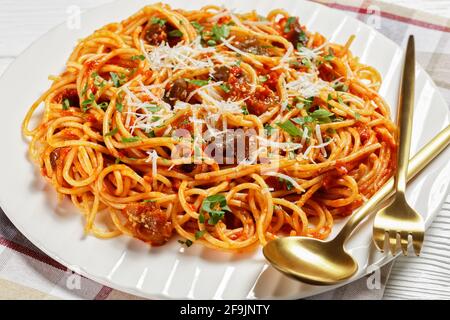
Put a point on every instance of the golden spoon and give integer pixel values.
(327, 262)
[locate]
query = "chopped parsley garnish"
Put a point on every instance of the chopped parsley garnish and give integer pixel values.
(211, 43)
(119, 106)
(117, 80)
(268, 129)
(159, 21)
(187, 243)
(302, 39)
(290, 128)
(321, 113)
(199, 234)
(83, 92)
(245, 111)
(329, 56)
(112, 132)
(302, 103)
(215, 206)
(129, 140)
(262, 78)
(139, 57)
(197, 26)
(175, 33)
(88, 102)
(219, 32)
(197, 82)
(287, 183)
(341, 87)
(152, 108)
(306, 62)
(302, 120)
(289, 22)
(340, 100)
(66, 104)
(201, 217)
(357, 116)
(151, 134)
(225, 87)
(98, 82)
(104, 105)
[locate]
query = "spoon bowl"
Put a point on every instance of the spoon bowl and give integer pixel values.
(310, 260)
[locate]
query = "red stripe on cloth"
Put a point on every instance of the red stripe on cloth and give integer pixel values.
(31, 253)
(388, 15)
(103, 293)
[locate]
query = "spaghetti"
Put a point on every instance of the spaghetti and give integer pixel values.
(227, 129)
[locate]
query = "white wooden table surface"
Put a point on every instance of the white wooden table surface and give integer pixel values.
(23, 21)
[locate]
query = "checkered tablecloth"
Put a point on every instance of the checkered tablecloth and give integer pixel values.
(27, 273)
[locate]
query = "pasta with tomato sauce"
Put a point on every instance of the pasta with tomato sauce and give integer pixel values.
(227, 129)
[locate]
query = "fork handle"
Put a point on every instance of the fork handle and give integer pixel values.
(416, 164)
(405, 118)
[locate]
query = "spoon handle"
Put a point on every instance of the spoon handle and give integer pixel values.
(416, 164)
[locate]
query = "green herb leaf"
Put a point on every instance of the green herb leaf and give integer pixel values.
(66, 104)
(357, 116)
(117, 80)
(245, 111)
(198, 27)
(329, 56)
(140, 57)
(83, 92)
(287, 183)
(302, 39)
(322, 116)
(211, 43)
(175, 33)
(268, 129)
(306, 103)
(215, 206)
(225, 87)
(219, 32)
(199, 234)
(129, 140)
(201, 217)
(302, 120)
(159, 21)
(151, 134)
(262, 78)
(88, 102)
(289, 22)
(112, 132)
(152, 108)
(197, 82)
(290, 128)
(306, 62)
(119, 106)
(104, 105)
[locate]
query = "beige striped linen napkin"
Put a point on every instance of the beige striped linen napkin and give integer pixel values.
(27, 273)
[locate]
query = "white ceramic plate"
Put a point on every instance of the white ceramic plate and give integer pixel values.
(170, 271)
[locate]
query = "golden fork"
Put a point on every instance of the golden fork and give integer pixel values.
(398, 220)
